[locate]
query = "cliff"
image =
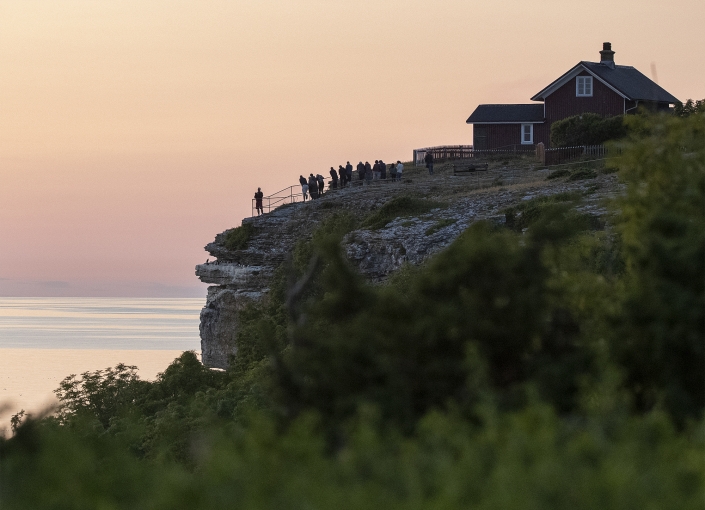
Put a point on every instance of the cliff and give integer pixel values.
(238, 276)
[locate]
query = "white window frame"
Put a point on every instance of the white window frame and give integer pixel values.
(530, 141)
(584, 83)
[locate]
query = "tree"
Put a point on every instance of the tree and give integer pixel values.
(689, 108)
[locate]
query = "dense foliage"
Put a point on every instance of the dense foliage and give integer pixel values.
(586, 129)
(662, 227)
(553, 362)
(690, 107)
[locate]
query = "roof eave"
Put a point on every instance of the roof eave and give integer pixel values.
(558, 83)
(508, 122)
(540, 96)
(489, 114)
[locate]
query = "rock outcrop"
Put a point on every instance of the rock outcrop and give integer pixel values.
(241, 276)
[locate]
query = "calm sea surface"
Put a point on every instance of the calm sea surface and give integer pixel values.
(100, 323)
(42, 340)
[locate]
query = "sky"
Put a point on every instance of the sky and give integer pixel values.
(133, 131)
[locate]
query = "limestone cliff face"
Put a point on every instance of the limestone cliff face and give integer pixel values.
(240, 276)
(218, 326)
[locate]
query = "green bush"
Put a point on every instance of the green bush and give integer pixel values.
(237, 238)
(586, 129)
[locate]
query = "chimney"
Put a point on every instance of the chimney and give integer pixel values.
(607, 55)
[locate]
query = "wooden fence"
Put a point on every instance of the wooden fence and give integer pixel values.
(443, 153)
(454, 152)
(560, 155)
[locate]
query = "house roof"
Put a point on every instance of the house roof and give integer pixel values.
(506, 114)
(626, 81)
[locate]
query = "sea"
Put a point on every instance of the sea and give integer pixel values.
(44, 340)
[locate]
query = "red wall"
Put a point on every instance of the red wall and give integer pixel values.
(564, 103)
(542, 133)
(502, 135)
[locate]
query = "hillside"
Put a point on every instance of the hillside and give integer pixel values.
(394, 223)
(537, 343)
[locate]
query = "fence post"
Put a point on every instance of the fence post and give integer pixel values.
(541, 153)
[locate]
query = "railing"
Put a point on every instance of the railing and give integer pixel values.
(290, 196)
(281, 197)
(454, 152)
(442, 153)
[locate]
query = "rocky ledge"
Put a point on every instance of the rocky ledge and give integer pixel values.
(241, 276)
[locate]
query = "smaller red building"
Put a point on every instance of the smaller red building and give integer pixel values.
(589, 87)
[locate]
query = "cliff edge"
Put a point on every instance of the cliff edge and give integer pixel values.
(242, 270)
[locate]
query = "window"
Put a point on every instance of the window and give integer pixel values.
(527, 134)
(480, 135)
(583, 86)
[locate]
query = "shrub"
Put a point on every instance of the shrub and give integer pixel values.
(582, 173)
(526, 213)
(586, 129)
(556, 174)
(237, 238)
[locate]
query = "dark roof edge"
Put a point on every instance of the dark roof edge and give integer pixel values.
(507, 122)
(539, 95)
(513, 113)
(631, 96)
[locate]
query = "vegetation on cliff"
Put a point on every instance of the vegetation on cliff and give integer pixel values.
(400, 207)
(586, 129)
(237, 238)
(556, 361)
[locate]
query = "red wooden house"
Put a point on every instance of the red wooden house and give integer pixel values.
(589, 87)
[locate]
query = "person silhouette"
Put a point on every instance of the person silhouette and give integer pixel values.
(258, 201)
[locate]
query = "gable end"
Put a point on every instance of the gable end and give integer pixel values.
(565, 78)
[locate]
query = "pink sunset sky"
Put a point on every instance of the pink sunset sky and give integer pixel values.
(133, 131)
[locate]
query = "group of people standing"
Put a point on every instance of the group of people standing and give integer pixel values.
(379, 171)
(342, 177)
(312, 186)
